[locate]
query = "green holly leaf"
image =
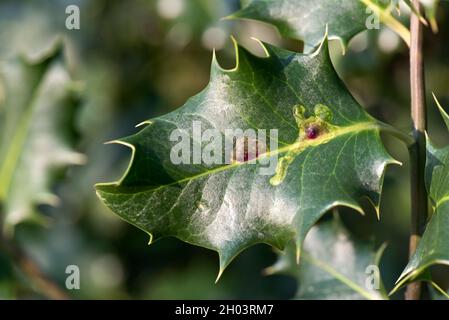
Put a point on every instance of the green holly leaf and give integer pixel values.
(334, 265)
(329, 153)
(433, 247)
(430, 12)
(36, 125)
(307, 19)
(430, 7)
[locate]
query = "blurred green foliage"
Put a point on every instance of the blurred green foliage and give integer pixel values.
(142, 58)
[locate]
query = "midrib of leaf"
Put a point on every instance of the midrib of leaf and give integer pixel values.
(17, 143)
(300, 146)
(441, 201)
(439, 289)
(414, 275)
(340, 277)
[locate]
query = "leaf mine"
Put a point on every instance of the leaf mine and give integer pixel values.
(230, 207)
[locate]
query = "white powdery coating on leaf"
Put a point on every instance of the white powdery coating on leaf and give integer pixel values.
(216, 106)
(283, 211)
(224, 228)
(370, 178)
(313, 237)
(344, 253)
(240, 216)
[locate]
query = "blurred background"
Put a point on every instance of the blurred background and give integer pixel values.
(142, 58)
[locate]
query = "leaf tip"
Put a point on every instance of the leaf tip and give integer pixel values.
(231, 16)
(323, 42)
(401, 281)
(217, 65)
(49, 199)
(326, 33)
(434, 26)
(269, 271)
(144, 123)
(380, 252)
(150, 241)
(377, 209)
(394, 290)
(220, 273)
(123, 143)
(442, 111)
(396, 162)
(111, 142)
(264, 48)
(77, 158)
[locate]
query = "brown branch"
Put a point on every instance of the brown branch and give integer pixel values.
(31, 269)
(419, 201)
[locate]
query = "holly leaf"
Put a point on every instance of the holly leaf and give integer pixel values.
(36, 124)
(327, 152)
(307, 19)
(433, 247)
(334, 265)
(430, 10)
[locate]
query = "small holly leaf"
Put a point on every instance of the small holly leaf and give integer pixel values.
(433, 247)
(307, 19)
(36, 125)
(430, 8)
(430, 12)
(334, 265)
(324, 150)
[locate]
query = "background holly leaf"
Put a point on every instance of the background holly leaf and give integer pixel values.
(430, 10)
(36, 124)
(433, 247)
(334, 265)
(430, 7)
(307, 19)
(228, 208)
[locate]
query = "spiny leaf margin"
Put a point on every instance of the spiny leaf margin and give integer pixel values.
(334, 266)
(116, 194)
(37, 124)
(433, 247)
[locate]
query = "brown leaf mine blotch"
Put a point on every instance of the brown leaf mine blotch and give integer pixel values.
(247, 149)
